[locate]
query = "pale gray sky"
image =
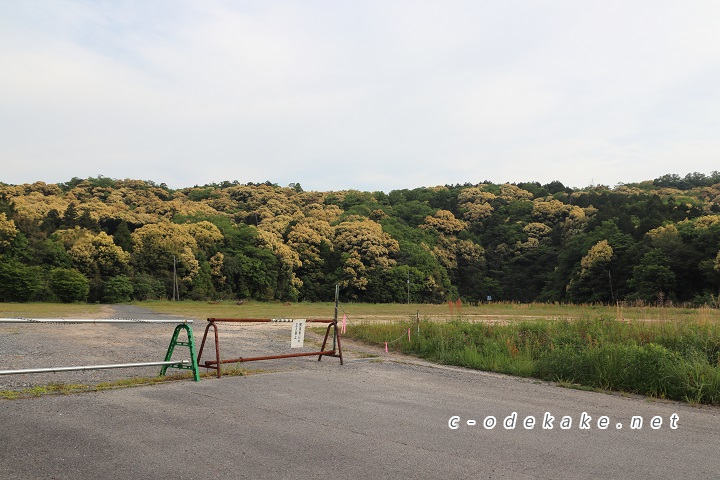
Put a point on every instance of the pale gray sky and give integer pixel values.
(371, 95)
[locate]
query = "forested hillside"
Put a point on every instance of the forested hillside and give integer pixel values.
(107, 240)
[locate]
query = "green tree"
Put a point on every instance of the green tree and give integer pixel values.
(365, 250)
(8, 232)
(118, 289)
(202, 286)
(69, 285)
(97, 255)
(253, 275)
(653, 278)
(51, 222)
(86, 221)
(7, 206)
(70, 217)
(593, 283)
(147, 287)
(49, 253)
(19, 282)
(122, 238)
(155, 245)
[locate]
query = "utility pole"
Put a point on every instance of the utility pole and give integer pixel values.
(176, 289)
(408, 287)
(337, 301)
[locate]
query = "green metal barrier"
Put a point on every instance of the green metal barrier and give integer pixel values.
(190, 344)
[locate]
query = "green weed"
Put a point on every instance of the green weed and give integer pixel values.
(677, 360)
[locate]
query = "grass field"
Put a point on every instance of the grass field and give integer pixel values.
(493, 312)
(382, 313)
(364, 312)
(50, 310)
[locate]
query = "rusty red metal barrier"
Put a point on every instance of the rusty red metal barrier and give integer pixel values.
(215, 364)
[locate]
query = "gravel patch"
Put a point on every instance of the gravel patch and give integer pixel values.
(39, 345)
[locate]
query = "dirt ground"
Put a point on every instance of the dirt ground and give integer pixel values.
(45, 345)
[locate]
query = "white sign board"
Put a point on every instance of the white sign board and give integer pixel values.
(298, 334)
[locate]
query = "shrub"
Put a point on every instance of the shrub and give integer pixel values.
(69, 285)
(19, 282)
(118, 289)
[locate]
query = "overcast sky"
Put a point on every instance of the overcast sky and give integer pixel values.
(368, 95)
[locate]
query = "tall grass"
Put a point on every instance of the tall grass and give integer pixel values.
(675, 360)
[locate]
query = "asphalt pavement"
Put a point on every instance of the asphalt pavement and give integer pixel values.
(374, 417)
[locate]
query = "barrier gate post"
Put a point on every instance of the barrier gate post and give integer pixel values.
(218, 362)
(190, 344)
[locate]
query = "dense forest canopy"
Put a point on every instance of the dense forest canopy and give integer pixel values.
(107, 240)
